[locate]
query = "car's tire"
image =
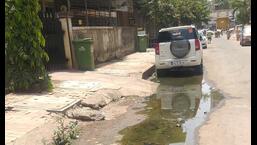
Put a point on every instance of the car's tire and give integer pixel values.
(199, 69)
(160, 73)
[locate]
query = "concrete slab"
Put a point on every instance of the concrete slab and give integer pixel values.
(20, 122)
(45, 102)
(94, 85)
(136, 63)
(30, 113)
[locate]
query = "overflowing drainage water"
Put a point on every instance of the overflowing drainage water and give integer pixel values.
(174, 113)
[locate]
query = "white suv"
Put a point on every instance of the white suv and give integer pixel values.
(177, 48)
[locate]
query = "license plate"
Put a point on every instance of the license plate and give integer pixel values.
(177, 62)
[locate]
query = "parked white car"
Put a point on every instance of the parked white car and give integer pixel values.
(245, 38)
(178, 47)
(203, 40)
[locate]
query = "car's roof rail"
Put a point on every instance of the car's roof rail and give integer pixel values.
(175, 28)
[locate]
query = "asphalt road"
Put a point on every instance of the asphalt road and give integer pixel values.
(228, 68)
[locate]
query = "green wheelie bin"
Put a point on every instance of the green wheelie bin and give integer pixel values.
(142, 42)
(84, 54)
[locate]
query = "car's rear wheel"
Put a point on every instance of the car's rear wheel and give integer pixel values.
(199, 69)
(161, 73)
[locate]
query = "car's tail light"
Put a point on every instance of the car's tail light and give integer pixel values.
(157, 48)
(197, 44)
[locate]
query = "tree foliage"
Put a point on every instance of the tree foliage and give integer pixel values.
(24, 53)
(243, 7)
(165, 13)
(221, 4)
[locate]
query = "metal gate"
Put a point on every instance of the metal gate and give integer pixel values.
(53, 33)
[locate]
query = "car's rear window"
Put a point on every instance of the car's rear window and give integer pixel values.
(179, 34)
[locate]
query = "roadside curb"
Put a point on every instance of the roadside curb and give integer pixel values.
(148, 72)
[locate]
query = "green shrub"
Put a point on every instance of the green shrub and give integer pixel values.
(25, 57)
(65, 134)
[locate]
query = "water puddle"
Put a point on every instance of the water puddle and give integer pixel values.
(174, 113)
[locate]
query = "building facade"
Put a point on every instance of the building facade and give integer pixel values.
(105, 21)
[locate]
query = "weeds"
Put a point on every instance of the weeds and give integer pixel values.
(65, 134)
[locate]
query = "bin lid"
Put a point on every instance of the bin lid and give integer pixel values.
(83, 40)
(141, 35)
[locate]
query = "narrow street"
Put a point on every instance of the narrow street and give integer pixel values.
(228, 67)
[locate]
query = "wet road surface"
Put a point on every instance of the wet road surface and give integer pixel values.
(174, 113)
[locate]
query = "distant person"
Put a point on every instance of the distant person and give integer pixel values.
(228, 35)
(209, 37)
(204, 32)
(237, 34)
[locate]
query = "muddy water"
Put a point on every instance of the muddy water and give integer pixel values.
(174, 113)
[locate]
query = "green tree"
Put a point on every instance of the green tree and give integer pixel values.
(24, 53)
(243, 7)
(160, 12)
(221, 4)
(166, 13)
(192, 11)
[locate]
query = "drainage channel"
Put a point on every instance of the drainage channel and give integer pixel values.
(174, 113)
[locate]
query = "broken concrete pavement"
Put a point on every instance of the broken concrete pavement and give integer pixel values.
(95, 89)
(85, 114)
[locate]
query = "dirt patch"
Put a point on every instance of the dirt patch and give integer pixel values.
(106, 132)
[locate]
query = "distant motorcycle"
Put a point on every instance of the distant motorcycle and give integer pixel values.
(209, 39)
(209, 36)
(228, 35)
